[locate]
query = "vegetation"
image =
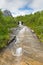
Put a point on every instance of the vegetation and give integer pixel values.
(5, 23)
(34, 21)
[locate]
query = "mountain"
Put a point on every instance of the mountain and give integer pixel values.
(7, 13)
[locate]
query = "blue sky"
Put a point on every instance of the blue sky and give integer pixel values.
(21, 7)
(25, 8)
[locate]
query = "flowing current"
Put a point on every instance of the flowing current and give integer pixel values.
(24, 50)
(17, 45)
(19, 38)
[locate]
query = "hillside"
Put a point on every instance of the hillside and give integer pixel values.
(34, 21)
(5, 24)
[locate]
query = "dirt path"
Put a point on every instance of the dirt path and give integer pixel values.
(27, 50)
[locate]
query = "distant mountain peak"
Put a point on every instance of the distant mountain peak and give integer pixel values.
(7, 13)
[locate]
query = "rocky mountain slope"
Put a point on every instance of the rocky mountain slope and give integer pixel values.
(7, 13)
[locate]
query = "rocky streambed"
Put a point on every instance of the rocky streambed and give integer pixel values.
(26, 50)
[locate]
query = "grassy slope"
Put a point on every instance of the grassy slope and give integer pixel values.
(5, 24)
(35, 22)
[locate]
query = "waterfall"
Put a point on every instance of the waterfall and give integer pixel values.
(20, 24)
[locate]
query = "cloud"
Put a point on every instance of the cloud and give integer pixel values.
(18, 13)
(22, 7)
(37, 5)
(12, 4)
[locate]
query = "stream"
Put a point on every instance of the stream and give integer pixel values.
(26, 50)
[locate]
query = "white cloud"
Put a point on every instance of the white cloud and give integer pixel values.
(2, 3)
(18, 13)
(14, 5)
(37, 5)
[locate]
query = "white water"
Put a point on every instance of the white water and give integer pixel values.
(19, 51)
(20, 36)
(20, 24)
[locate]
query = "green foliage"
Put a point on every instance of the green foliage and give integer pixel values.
(35, 22)
(5, 23)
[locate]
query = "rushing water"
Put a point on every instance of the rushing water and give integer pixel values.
(19, 51)
(24, 51)
(17, 45)
(20, 24)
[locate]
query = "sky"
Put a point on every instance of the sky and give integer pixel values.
(21, 7)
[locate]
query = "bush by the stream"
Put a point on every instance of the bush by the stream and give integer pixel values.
(5, 24)
(35, 22)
